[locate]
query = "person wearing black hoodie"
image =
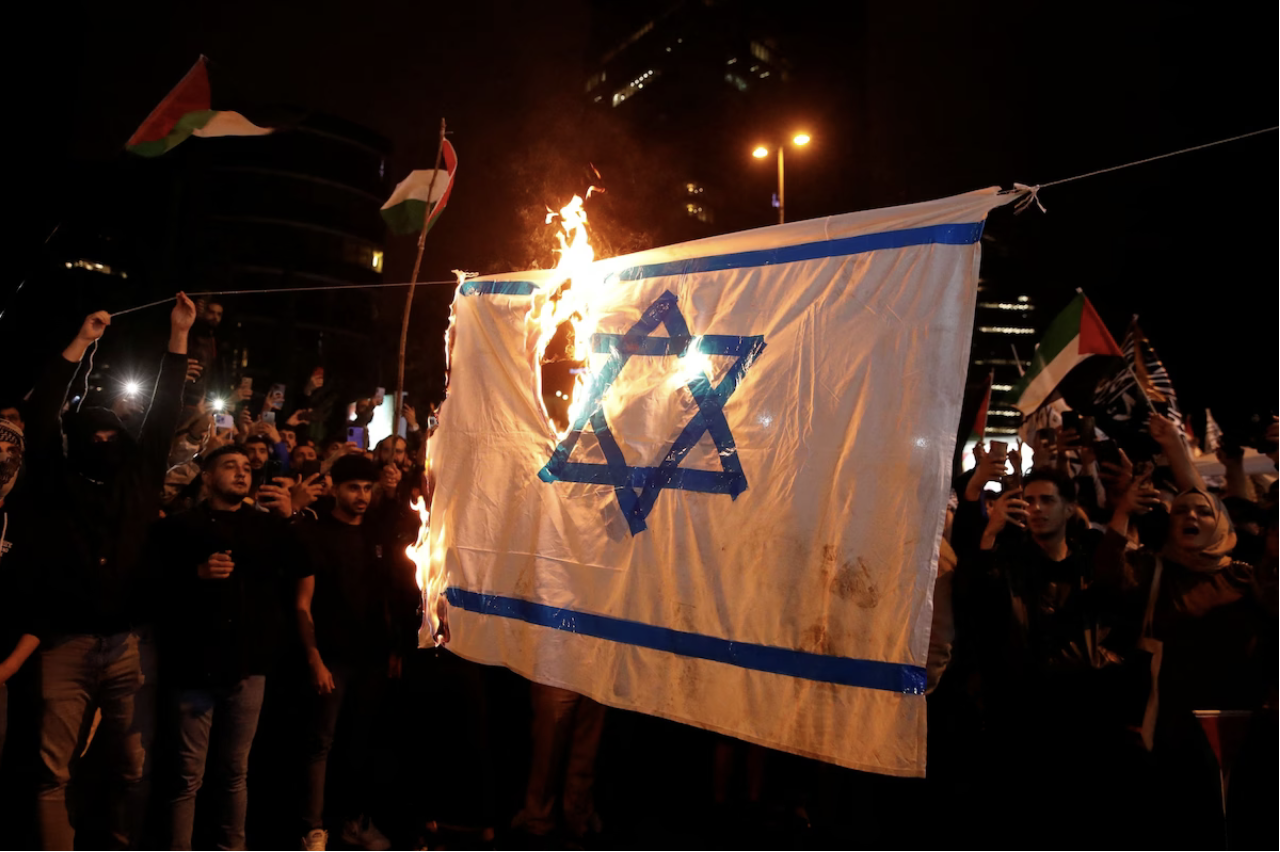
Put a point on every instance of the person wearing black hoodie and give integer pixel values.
(90, 509)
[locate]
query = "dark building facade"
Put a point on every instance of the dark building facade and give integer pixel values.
(295, 209)
(703, 83)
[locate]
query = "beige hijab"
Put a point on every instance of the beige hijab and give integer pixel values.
(1215, 555)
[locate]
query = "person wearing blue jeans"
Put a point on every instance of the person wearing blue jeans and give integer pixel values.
(236, 709)
(91, 492)
(222, 569)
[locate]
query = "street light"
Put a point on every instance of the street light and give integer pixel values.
(761, 152)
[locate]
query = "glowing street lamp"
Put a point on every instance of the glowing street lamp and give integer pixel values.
(761, 152)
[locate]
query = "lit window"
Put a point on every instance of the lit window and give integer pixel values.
(376, 261)
(764, 74)
(1005, 329)
(91, 265)
(759, 51)
(694, 189)
(736, 81)
(1005, 306)
(634, 86)
(1023, 299)
(1002, 387)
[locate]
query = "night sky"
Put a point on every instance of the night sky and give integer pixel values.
(906, 102)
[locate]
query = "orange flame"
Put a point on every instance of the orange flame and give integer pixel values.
(576, 285)
(430, 576)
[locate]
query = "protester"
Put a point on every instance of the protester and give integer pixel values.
(221, 567)
(560, 791)
(347, 602)
(93, 607)
(1212, 620)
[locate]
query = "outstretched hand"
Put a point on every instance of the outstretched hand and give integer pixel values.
(94, 326)
(183, 315)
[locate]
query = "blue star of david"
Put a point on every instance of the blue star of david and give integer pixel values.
(637, 488)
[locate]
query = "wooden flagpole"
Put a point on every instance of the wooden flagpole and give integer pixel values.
(413, 282)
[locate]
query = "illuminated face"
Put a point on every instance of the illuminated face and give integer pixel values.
(301, 455)
(290, 438)
(213, 315)
(1047, 512)
(257, 454)
(1191, 523)
(353, 496)
(229, 477)
(12, 415)
(400, 459)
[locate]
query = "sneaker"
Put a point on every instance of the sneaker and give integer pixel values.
(363, 834)
(315, 840)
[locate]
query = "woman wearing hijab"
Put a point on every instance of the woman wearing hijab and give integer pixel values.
(1209, 625)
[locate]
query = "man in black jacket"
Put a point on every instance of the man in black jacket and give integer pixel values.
(90, 510)
(222, 568)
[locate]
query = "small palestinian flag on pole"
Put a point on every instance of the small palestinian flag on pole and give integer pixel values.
(187, 111)
(420, 198)
(1074, 335)
(980, 419)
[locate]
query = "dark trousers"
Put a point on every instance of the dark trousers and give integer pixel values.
(562, 768)
(342, 730)
(230, 715)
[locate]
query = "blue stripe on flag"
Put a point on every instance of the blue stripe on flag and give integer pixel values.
(951, 235)
(498, 288)
(868, 674)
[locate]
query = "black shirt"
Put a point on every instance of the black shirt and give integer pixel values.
(218, 631)
(357, 605)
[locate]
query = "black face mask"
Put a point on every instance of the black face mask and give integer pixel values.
(98, 460)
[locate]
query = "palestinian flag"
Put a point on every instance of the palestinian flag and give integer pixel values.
(187, 111)
(420, 198)
(1074, 335)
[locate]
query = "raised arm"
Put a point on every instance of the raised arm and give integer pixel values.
(1176, 450)
(44, 415)
(166, 403)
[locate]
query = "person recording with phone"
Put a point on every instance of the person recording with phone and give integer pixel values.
(1021, 597)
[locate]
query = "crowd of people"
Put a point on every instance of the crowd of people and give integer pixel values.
(169, 572)
(1103, 655)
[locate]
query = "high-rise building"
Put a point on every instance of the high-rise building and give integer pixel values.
(296, 209)
(700, 81)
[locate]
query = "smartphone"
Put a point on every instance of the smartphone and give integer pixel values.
(1048, 435)
(275, 397)
(1071, 420)
(1088, 430)
(224, 421)
(310, 468)
(269, 417)
(378, 395)
(355, 435)
(1107, 451)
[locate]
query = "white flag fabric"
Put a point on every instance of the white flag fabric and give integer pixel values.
(740, 531)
